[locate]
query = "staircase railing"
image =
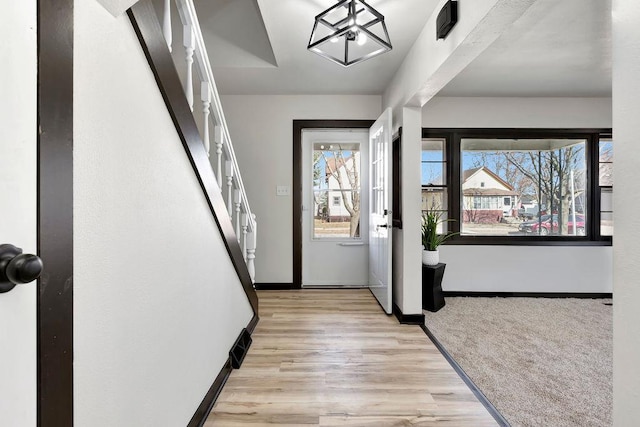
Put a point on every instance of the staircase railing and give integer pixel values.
(222, 158)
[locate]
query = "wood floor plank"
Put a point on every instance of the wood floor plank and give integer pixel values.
(333, 358)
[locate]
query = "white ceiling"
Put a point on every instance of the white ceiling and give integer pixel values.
(558, 48)
(244, 62)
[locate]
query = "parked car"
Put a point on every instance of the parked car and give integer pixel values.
(548, 224)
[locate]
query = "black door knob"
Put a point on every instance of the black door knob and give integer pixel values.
(17, 268)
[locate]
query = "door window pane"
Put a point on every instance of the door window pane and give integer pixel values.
(336, 185)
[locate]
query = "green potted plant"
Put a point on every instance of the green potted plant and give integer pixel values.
(431, 240)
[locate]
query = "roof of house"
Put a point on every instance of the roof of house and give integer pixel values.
(466, 174)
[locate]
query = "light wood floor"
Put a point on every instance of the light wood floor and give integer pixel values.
(333, 358)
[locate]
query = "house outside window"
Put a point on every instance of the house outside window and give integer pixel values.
(483, 199)
(336, 190)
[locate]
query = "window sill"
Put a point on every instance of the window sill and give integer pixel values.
(523, 241)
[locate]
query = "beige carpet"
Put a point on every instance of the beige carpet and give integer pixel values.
(540, 361)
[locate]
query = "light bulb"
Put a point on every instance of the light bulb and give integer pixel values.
(362, 38)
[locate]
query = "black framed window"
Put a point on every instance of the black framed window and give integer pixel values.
(522, 186)
(434, 178)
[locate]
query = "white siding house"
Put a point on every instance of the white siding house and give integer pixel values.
(486, 197)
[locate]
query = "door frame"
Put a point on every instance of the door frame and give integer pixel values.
(55, 213)
(298, 127)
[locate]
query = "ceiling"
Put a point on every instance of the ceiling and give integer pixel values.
(246, 61)
(558, 48)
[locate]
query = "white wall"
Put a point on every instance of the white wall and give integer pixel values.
(157, 302)
(626, 110)
(524, 268)
(517, 112)
(527, 268)
(261, 129)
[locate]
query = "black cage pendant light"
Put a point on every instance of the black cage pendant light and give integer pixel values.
(349, 32)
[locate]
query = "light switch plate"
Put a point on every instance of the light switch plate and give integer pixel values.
(283, 190)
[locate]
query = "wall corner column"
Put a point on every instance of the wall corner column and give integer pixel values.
(626, 265)
(411, 211)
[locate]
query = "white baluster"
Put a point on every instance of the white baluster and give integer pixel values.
(245, 225)
(205, 96)
(228, 166)
(218, 137)
(236, 201)
(251, 250)
(166, 24)
(189, 45)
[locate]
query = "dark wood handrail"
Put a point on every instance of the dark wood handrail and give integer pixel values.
(147, 28)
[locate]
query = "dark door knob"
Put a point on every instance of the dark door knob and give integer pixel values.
(17, 268)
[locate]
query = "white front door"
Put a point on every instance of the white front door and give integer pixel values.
(18, 162)
(380, 211)
(334, 232)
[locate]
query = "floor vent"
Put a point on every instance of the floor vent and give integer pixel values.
(240, 348)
